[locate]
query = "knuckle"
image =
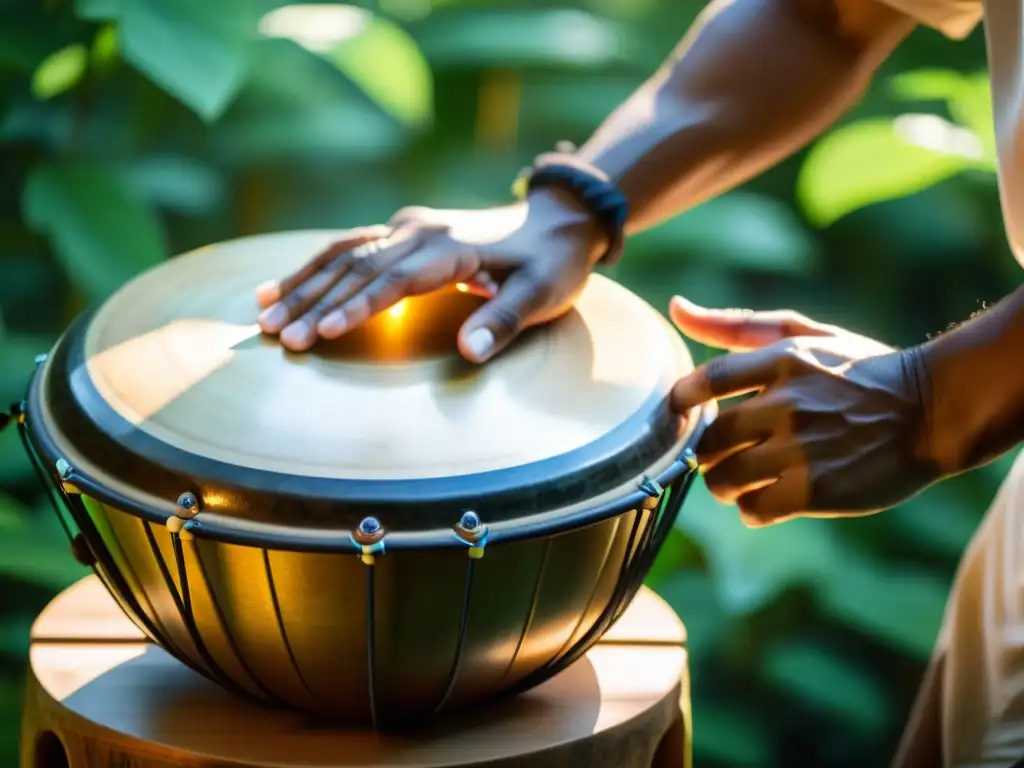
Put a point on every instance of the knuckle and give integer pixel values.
(504, 318)
(716, 371)
(410, 214)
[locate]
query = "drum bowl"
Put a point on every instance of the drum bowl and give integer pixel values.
(379, 603)
(383, 639)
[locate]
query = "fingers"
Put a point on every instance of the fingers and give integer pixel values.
(725, 376)
(492, 327)
(438, 263)
(778, 501)
(740, 427)
(741, 329)
(343, 279)
(750, 470)
(272, 291)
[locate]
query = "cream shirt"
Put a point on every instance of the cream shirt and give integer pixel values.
(1005, 37)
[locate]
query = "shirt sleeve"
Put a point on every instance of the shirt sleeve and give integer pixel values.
(955, 19)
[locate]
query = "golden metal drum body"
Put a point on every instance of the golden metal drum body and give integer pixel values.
(374, 531)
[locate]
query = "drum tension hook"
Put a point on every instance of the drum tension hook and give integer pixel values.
(369, 539)
(689, 458)
(653, 490)
(65, 471)
(471, 530)
(187, 507)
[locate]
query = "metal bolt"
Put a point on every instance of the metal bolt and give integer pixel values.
(470, 521)
(188, 504)
(369, 526)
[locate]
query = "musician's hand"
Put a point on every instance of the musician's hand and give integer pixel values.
(530, 259)
(835, 427)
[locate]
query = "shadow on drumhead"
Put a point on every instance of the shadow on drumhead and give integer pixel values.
(173, 706)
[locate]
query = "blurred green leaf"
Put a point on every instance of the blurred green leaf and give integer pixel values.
(98, 10)
(741, 230)
(101, 233)
(176, 182)
(676, 553)
(17, 362)
(28, 35)
(318, 134)
(968, 98)
(901, 607)
(753, 566)
(863, 163)
(926, 85)
(826, 682)
(59, 72)
(936, 521)
(195, 49)
(35, 548)
(388, 65)
(692, 595)
(508, 39)
(731, 736)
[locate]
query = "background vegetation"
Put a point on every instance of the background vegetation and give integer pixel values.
(131, 130)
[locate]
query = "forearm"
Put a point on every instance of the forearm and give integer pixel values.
(752, 82)
(975, 388)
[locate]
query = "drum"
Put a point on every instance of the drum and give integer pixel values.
(374, 531)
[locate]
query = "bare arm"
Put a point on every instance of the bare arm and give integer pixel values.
(752, 82)
(976, 389)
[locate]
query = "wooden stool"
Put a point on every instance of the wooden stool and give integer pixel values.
(99, 694)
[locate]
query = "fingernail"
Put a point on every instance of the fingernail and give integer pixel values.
(267, 292)
(479, 342)
(272, 319)
(687, 306)
(332, 326)
(297, 335)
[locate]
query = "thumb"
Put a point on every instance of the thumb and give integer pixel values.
(741, 330)
(492, 327)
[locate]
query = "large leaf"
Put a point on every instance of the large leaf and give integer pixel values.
(813, 674)
(389, 66)
(374, 52)
(868, 162)
(102, 234)
(195, 49)
(968, 98)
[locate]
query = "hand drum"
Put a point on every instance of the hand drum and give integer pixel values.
(375, 530)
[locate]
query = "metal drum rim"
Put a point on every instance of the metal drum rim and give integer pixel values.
(233, 530)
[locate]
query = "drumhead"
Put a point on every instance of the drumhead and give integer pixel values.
(170, 387)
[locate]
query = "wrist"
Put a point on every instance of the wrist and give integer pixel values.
(556, 211)
(975, 400)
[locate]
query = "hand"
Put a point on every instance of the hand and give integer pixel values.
(835, 425)
(530, 259)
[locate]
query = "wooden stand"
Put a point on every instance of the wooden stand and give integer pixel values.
(101, 695)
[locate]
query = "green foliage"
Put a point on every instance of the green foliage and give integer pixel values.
(876, 159)
(134, 129)
(101, 234)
